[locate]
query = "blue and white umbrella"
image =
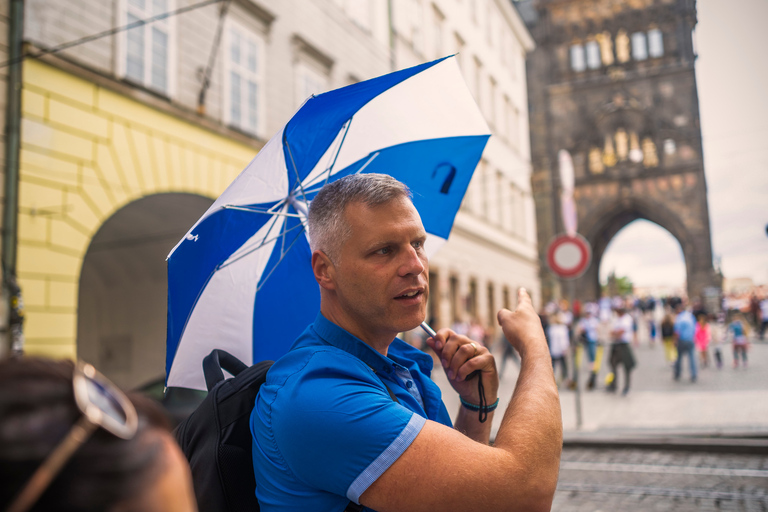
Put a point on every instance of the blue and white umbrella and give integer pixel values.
(241, 279)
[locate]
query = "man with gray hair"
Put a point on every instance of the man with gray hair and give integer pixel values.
(350, 417)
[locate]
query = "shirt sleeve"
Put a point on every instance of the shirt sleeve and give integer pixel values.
(336, 426)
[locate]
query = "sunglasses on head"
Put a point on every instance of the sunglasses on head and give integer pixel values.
(102, 405)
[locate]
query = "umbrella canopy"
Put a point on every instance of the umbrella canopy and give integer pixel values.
(241, 278)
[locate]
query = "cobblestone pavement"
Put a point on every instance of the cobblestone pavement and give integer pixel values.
(597, 480)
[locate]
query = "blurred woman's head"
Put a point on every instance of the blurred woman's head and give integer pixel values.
(37, 411)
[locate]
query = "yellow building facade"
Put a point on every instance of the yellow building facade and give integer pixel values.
(88, 151)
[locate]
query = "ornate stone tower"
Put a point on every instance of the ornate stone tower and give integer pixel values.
(613, 83)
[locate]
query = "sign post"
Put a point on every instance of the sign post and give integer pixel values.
(569, 256)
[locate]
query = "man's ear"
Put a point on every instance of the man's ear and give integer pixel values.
(325, 272)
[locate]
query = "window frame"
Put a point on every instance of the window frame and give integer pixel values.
(246, 36)
(169, 24)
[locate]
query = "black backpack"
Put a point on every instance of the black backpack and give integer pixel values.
(216, 437)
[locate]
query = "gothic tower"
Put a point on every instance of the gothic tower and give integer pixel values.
(613, 83)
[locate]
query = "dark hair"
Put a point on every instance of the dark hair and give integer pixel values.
(37, 409)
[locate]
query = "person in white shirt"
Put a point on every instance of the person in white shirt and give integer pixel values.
(587, 330)
(622, 332)
(559, 343)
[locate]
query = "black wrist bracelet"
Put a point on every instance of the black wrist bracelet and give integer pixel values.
(477, 408)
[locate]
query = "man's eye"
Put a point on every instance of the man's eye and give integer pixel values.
(418, 245)
(384, 250)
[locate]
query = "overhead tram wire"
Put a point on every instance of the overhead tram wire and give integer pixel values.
(112, 31)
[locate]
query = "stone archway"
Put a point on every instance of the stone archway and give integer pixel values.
(601, 226)
(122, 301)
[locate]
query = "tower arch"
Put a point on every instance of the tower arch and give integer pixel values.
(604, 224)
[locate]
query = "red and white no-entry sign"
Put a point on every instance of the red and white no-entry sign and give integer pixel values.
(569, 256)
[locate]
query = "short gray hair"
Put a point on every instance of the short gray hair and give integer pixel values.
(328, 230)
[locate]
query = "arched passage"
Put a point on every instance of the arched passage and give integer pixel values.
(649, 256)
(601, 226)
(122, 300)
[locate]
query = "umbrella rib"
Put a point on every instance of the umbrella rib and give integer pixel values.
(371, 159)
(329, 170)
(282, 256)
(261, 244)
(255, 210)
(264, 240)
(295, 169)
(271, 227)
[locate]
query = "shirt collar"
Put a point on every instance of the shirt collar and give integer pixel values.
(338, 337)
(341, 339)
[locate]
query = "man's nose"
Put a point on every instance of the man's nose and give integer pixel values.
(413, 263)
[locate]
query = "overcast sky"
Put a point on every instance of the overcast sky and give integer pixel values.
(732, 77)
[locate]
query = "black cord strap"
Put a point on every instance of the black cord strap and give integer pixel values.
(483, 409)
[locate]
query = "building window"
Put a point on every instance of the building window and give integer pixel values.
(491, 309)
(500, 203)
(472, 299)
(639, 49)
(489, 22)
(482, 169)
(433, 304)
(360, 13)
(476, 80)
(146, 51)
(578, 62)
(512, 202)
(514, 126)
(459, 45)
(593, 54)
(409, 20)
(606, 47)
(438, 18)
(492, 92)
(622, 46)
(453, 284)
(512, 59)
(309, 80)
(505, 118)
(243, 79)
(655, 43)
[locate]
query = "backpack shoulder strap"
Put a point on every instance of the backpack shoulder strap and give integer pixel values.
(215, 362)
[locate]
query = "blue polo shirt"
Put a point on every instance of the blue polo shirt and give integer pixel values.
(685, 326)
(324, 426)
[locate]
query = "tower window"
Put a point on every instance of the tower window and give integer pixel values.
(593, 54)
(639, 49)
(578, 63)
(655, 43)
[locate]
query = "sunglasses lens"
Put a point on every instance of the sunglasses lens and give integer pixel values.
(102, 397)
